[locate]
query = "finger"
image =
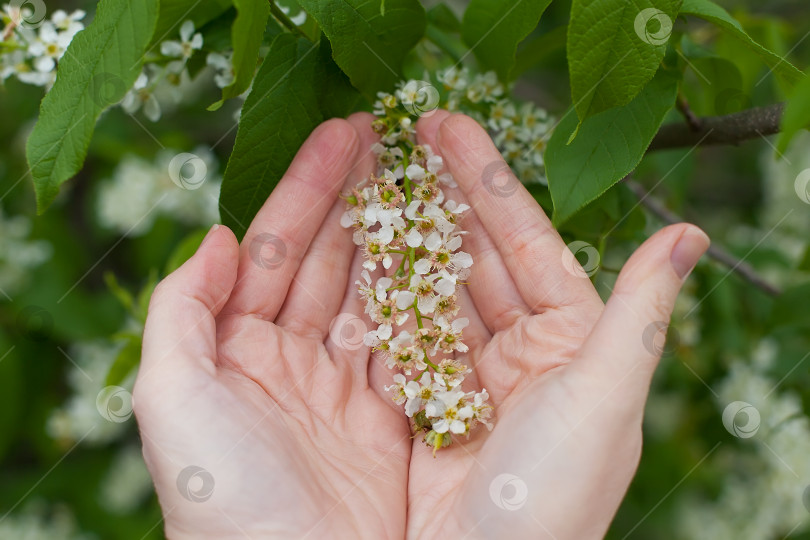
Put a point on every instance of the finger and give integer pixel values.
(180, 330)
(491, 288)
(282, 231)
(319, 287)
(620, 355)
(530, 246)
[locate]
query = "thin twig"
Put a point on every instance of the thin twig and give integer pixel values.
(728, 129)
(283, 19)
(719, 254)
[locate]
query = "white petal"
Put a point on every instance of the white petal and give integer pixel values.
(413, 238)
(462, 259)
(151, 108)
(441, 426)
(405, 299)
(453, 243)
(443, 225)
(433, 242)
(347, 219)
(435, 164)
(370, 265)
(171, 48)
(197, 42)
(382, 284)
(412, 407)
(387, 261)
(385, 235)
(460, 324)
(422, 266)
(410, 211)
(445, 287)
(458, 427)
(427, 305)
(415, 172)
(384, 331)
(186, 30)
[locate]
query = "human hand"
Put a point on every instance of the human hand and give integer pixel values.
(568, 375)
(242, 400)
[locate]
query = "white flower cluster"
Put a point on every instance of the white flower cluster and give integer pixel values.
(403, 223)
(167, 81)
(18, 254)
(30, 53)
(141, 190)
(37, 521)
(766, 480)
(79, 418)
(519, 131)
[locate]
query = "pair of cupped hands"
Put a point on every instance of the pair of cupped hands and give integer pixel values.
(255, 423)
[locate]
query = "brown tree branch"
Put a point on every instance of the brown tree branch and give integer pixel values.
(719, 254)
(728, 129)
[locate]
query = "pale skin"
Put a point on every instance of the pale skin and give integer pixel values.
(240, 377)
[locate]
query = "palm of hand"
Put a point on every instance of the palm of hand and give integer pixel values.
(296, 432)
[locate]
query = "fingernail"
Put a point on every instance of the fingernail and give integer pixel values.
(209, 233)
(689, 248)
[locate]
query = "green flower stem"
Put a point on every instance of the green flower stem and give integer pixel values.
(412, 253)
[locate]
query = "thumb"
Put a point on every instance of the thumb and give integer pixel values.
(624, 348)
(180, 328)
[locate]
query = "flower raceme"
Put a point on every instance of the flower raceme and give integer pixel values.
(404, 223)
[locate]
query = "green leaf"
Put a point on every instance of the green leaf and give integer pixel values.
(493, 29)
(247, 33)
(297, 87)
(183, 252)
(614, 49)
(790, 307)
(442, 17)
(100, 65)
(368, 46)
(709, 11)
(796, 116)
(173, 13)
(128, 359)
(609, 146)
(535, 51)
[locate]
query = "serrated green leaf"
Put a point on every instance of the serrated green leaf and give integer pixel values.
(614, 49)
(796, 116)
(297, 87)
(493, 29)
(609, 146)
(368, 46)
(100, 65)
(709, 11)
(246, 37)
(173, 13)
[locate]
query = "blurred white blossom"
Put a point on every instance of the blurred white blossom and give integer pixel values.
(36, 522)
(127, 483)
(766, 479)
(18, 254)
(79, 418)
(141, 190)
